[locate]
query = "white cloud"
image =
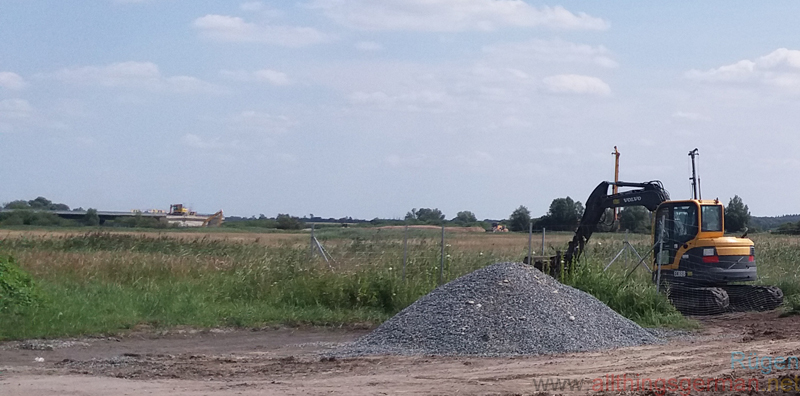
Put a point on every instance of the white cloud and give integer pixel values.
(368, 46)
(234, 29)
(780, 69)
(452, 15)
(198, 142)
(537, 51)
(139, 75)
(685, 115)
(272, 76)
(422, 100)
(262, 122)
(576, 84)
(269, 76)
(415, 161)
(252, 6)
(12, 81)
(15, 108)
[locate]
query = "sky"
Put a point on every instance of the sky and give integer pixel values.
(368, 108)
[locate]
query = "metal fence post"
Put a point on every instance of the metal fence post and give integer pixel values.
(530, 238)
(405, 252)
(543, 231)
(441, 264)
(660, 251)
(311, 250)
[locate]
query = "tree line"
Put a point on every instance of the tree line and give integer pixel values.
(563, 214)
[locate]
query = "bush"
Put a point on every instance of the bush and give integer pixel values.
(30, 217)
(17, 289)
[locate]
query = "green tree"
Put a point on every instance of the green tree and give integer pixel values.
(40, 203)
(635, 219)
(425, 215)
(286, 222)
(737, 215)
(91, 218)
(519, 219)
(465, 218)
(564, 215)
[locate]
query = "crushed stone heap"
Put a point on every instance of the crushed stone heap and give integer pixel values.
(503, 309)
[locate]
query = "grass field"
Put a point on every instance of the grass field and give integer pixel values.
(90, 283)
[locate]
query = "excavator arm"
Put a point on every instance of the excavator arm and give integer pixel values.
(648, 194)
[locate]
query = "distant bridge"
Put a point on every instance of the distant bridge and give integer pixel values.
(183, 220)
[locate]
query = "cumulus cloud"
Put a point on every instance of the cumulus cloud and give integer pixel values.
(576, 84)
(269, 76)
(252, 6)
(422, 100)
(225, 28)
(203, 143)
(12, 81)
(686, 115)
(368, 46)
(780, 68)
(15, 108)
(550, 51)
(139, 75)
(262, 122)
(452, 15)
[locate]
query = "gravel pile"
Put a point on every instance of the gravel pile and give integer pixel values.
(503, 309)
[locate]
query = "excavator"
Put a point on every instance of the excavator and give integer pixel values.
(702, 270)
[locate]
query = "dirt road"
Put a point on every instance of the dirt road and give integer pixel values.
(288, 362)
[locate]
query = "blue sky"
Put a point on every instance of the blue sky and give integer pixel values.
(371, 108)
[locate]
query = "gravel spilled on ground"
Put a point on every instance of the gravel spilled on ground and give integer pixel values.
(503, 309)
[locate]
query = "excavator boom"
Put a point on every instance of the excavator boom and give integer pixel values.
(648, 194)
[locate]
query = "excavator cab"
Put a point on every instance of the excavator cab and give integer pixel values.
(692, 248)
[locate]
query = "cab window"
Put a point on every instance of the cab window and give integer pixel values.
(684, 223)
(711, 217)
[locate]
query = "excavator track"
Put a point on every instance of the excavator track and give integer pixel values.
(753, 298)
(728, 298)
(699, 300)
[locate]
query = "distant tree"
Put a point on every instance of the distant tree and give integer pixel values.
(564, 215)
(18, 204)
(91, 218)
(737, 215)
(635, 219)
(286, 222)
(465, 218)
(520, 219)
(788, 228)
(425, 215)
(40, 203)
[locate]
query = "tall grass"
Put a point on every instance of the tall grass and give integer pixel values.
(102, 283)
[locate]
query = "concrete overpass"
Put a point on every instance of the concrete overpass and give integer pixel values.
(181, 220)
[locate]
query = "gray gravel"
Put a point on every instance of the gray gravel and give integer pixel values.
(501, 310)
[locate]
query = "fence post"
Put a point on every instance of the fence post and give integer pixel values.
(311, 250)
(405, 252)
(530, 238)
(543, 231)
(441, 263)
(660, 250)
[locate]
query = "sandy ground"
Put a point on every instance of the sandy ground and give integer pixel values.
(289, 362)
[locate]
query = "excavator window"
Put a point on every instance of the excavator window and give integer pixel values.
(679, 225)
(711, 217)
(684, 223)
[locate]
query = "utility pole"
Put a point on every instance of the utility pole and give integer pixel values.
(616, 188)
(695, 180)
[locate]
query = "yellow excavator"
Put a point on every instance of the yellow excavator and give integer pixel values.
(702, 269)
(214, 220)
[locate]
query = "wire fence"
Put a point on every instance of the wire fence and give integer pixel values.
(701, 271)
